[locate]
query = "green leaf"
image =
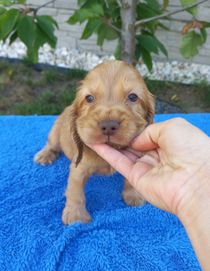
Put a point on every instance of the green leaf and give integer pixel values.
(97, 9)
(190, 44)
(21, 1)
(203, 34)
(186, 3)
(94, 11)
(153, 4)
(90, 28)
(47, 21)
(27, 31)
(50, 20)
(6, 2)
(146, 56)
(47, 24)
(149, 9)
(101, 36)
(30, 35)
(105, 32)
(11, 2)
(34, 32)
(111, 34)
(137, 51)
(2, 10)
(165, 4)
(144, 53)
(32, 55)
(160, 46)
(42, 38)
(144, 11)
(147, 42)
(89, 3)
(8, 21)
(80, 16)
(113, 11)
(13, 37)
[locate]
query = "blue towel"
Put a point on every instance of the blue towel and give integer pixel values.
(32, 236)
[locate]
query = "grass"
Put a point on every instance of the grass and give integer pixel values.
(190, 97)
(204, 88)
(47, 103)
(25, 90)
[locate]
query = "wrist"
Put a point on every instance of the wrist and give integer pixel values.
(194, 214)
(195, 197)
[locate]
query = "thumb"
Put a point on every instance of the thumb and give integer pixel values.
(148, 139)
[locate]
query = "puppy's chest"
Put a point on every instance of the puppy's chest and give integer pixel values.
(105, 170)
(96, 164)
(102, 167)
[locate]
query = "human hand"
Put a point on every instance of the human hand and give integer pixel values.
(174, 164)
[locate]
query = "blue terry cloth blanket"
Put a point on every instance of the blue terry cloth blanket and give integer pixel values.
(32, 236)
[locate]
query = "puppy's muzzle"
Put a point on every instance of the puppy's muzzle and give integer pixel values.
(109, 127)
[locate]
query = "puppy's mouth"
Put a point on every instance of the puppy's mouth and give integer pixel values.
(115, 145)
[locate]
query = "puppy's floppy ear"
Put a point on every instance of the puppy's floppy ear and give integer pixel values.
(75, 136)
(150, 107)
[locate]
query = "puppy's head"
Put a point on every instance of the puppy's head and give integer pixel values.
(112, 105)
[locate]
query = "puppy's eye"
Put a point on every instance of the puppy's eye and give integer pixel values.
(132, 97)
(89, 98)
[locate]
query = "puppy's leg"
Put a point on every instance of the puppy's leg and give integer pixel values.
(52, 149)
(130, 195)
(75, 209)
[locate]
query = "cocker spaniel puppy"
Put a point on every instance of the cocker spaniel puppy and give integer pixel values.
(112, 105)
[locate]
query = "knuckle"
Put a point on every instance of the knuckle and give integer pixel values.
(175, 122)
(179, 120)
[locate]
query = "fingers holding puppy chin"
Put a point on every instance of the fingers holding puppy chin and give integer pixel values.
(123, 163)
(114, 157)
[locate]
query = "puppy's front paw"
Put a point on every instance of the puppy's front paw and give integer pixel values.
(73, 214)
(132, 198)
(45, 156)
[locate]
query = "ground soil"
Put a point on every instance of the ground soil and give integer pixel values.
(40, 89)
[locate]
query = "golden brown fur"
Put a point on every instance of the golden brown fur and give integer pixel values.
(82, 123)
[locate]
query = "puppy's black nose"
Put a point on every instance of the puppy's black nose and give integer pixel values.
(109, 127)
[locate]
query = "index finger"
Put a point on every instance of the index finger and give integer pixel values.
(115, 158)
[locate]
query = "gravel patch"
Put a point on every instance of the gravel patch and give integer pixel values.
(170, 71)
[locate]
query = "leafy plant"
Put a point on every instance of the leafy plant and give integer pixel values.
(132, 23)
(104, 19)
(24, 23)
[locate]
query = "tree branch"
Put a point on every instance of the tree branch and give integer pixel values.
(118, 30)
(44, 5)
(176, 20)
(143, 21)
(106, 3)
(119, 3)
